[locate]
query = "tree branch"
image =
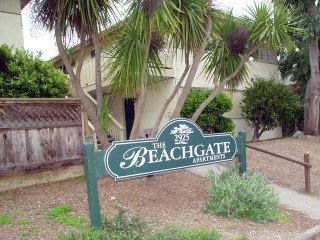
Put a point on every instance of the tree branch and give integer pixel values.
(217, 89)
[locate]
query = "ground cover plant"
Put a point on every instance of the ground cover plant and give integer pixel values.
(5, 219)
(10, 218)
(62, 214)
(124, 227)
(251, 196)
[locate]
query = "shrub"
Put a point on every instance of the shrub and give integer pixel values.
(211, 119)
(268, 104)
(232, 195)
(25, 75)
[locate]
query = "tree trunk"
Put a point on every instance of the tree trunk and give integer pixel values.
(138, 110)
(255, 136)
(194, 66)
(311, 104)
(99, 94)
(218, 88)
(75, 80)
(170, 98)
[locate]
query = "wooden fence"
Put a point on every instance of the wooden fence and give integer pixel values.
(39, 134)
(306, 164)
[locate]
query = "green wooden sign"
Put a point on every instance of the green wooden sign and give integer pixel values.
(179, 144)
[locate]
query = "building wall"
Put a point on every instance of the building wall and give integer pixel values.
(154, 102)
(241, 124)
(256, 68)
(116, 109)
(156, 97)
(11, 31)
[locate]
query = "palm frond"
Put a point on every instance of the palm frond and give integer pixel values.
(273, 25)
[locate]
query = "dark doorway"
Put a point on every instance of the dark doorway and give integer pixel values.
(129, 114)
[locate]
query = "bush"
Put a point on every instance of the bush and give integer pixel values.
(24, 75)
(211, 119)
(268, 104)
(232, 195)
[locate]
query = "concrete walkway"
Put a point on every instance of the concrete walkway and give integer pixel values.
(303, 203)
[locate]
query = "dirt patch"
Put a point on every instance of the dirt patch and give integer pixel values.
(170, 198)
(283, 172)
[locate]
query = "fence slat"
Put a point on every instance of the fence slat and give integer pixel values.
(39, 133)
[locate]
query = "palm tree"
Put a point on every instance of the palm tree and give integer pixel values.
(267, 26)
(196, 61)
(189, 37)
(84, 20)
(183, 24)
(133, 62)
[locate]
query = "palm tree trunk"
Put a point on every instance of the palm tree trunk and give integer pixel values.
(170, 98)
(75, 80)
(218, 88)
(143, 92)
(194, 66)
(99, 94)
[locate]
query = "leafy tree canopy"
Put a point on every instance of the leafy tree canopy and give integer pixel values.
(268, 104)
(296, 67)
(211, 119)
(25, 75)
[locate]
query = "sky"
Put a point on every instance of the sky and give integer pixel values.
(36, 40)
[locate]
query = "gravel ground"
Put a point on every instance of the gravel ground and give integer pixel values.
(286, 173)
(170, 198)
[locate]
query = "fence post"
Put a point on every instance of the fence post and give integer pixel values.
(307, 184)
(92, 186)
(241, 142)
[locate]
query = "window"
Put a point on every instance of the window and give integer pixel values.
(262, 55)
(93, 53)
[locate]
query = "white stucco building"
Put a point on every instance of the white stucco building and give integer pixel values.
(122, 109)
(11, 23)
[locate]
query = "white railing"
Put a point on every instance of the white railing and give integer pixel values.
(88, 74)
(115, 129)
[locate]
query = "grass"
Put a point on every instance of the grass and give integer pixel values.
(31, 231)
(184, 234)
(23, 222)
(8, 219)
(5, 219)
(62, 214)
(283, 218)
(242, 237)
